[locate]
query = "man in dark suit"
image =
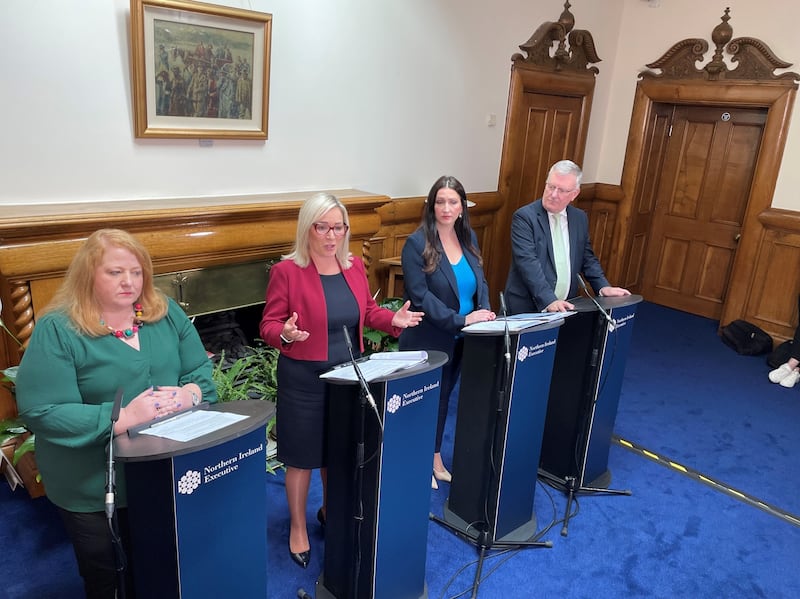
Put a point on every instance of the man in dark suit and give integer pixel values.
(541, 278)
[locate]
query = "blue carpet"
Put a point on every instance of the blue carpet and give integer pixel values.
(709, 408)
(686, 396)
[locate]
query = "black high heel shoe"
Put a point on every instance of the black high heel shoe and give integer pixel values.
(302, 558)
(321, 518)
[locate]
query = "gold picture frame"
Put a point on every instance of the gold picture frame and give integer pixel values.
(199, 70)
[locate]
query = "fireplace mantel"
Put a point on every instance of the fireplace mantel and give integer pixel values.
(38, 241)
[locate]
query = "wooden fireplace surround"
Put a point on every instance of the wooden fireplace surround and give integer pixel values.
(38, 241)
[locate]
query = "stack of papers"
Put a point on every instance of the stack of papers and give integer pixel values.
(516, 323)
(191, 424)
(377, 365)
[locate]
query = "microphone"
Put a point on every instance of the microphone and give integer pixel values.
(302, 594)
(612, 324)
(110, 475)
(359, 374)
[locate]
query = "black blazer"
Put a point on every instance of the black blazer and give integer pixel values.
(436, 294)
(532, 278)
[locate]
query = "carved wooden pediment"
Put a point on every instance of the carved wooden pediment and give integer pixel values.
(756, 61)
(556, 46)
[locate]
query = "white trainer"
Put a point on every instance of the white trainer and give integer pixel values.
(791, 379)
(780, 373)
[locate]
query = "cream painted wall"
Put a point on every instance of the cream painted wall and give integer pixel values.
(380, 96)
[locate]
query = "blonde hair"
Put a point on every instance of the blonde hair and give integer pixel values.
(76, 297)
(310, 212)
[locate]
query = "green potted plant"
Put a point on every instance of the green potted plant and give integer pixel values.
(378, 341)
(18, 445)
(253, 376)
(16, 441)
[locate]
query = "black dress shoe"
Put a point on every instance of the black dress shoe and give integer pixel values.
(302, 558)
(321, 518)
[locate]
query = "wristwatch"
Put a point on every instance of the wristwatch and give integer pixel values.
(195, 398)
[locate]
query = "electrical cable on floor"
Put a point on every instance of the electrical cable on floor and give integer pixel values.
(508, 551)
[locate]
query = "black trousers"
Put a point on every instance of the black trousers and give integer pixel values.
(450, 373)
(96, 554)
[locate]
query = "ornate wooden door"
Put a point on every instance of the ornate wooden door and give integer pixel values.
(702, 195)
(541, 128)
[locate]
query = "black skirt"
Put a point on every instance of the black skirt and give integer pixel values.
(302, 402)
(302, 395)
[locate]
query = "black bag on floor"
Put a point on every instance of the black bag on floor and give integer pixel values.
(781, 354)
(746, 338)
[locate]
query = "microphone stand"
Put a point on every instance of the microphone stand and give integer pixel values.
(485, 537)
(366, 398)
(573, 485)
(612, 324)
(110, 502)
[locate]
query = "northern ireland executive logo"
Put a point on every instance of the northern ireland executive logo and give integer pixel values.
(394, 403)
(522, 354)
(189, 482)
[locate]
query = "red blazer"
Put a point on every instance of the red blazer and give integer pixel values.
(294, 289)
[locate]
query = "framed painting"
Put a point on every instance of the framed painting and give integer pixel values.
(199, 70)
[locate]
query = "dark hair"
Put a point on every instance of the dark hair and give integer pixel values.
(432, 253)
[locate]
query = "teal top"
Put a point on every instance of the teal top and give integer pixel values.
(66, 385)
(467, 286)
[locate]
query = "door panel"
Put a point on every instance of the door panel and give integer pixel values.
(550, 135)
(702, 196)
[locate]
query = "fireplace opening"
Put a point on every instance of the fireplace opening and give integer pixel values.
(230, 334)
(225, 303)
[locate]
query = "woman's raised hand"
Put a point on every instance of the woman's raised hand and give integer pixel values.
(405, 318)
(290, 331)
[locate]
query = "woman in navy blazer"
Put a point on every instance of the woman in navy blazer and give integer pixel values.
(443, 277)
(313, 293)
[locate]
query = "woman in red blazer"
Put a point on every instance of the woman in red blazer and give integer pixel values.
(313, 293)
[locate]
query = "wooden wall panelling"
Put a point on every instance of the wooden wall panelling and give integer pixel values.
(402, 216)
(601, 201)
(37, 242)
(772, 301)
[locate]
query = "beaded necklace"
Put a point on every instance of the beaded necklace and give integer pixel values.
(134, 328)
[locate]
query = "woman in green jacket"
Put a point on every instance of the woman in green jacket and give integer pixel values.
(107, 328)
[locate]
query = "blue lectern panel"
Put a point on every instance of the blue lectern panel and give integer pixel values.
(221, 519)
(527, 409)
(499, 433)
(609, 386)
(410, 410)
(377, 529)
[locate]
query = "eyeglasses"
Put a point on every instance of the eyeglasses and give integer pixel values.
(558, 190)
(324, 228)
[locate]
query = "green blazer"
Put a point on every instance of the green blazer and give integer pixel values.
(66, 384)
